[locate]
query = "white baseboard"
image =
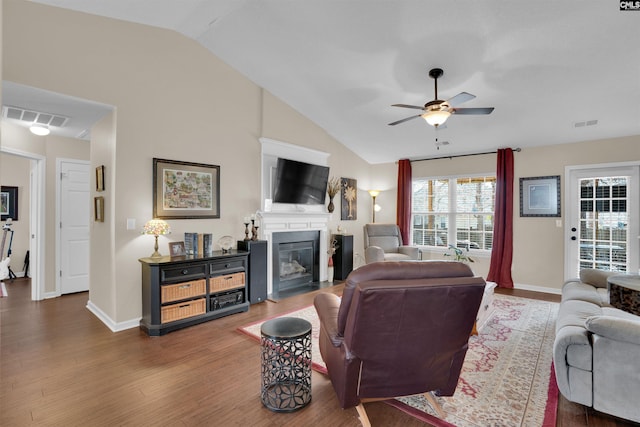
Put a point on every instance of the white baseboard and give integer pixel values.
(114, 326)
(534, 288)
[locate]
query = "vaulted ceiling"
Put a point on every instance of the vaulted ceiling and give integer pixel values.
(555, 71)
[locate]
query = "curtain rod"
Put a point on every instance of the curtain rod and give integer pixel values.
(517, 150)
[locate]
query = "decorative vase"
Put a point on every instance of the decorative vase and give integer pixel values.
(331, 207)
(330, 274)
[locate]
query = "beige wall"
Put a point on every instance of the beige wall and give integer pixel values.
(173, 100)
(538, 260)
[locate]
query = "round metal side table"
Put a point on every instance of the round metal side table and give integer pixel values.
(286, 364)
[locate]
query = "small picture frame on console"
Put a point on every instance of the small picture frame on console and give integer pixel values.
(176, 249)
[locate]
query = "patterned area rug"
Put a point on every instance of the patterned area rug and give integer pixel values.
(507, 378)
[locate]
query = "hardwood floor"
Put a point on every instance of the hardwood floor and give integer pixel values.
(60, 366)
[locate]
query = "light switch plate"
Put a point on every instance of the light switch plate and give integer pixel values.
(131, 223)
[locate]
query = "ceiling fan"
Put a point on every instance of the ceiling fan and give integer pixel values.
(437, 112)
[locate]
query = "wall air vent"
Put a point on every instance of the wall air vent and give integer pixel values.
(585, 123)
(17, 113)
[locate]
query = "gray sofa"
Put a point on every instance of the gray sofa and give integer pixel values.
(596, 352)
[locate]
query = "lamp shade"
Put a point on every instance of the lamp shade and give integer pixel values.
(436, 117)
(374, 193)
(156, 227)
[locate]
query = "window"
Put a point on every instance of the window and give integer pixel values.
(456, 210)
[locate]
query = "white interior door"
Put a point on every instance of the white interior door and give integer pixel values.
(603, 220)
(75, 214)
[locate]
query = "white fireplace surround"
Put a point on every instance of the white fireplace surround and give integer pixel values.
(282, 218)
(279, 222)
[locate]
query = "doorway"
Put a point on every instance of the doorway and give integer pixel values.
(603, 217)
(36, 219)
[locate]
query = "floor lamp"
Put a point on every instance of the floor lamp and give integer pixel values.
(374, 194)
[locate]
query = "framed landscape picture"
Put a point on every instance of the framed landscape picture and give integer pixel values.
(540, 196)
(9, 203)
(183, 190)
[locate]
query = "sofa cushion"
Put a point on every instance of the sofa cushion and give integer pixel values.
(575, 312)
(390, 256)
(585, 292)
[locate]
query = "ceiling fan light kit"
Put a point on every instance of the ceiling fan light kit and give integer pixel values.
(436, 117)
(437, 112)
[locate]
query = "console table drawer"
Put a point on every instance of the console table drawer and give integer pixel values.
(183, 290)
(228, 281)
(229, 264)
(187, 272)
(171, 313)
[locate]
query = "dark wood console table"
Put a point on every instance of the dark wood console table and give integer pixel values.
(624, 293)
(183, 291)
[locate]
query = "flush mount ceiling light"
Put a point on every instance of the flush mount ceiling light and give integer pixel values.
(40, 130)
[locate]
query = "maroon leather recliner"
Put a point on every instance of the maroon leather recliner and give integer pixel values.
(401, 328)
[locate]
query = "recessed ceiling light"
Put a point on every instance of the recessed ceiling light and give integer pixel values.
(40, 130)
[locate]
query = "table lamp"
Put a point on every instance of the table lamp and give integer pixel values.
(156, 227)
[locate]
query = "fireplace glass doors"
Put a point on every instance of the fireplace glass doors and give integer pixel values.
(295, 259)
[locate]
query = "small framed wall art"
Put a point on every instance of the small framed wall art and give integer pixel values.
(9, 203)
(183, 190)
(100, 178)
(540, 196)
(349, 199)
(98, 209)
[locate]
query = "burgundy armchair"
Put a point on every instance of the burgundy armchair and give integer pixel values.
(401, 328)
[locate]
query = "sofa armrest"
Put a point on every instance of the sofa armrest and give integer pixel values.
(327, 305)
(373, 254)
(411, 251)
(615, 328)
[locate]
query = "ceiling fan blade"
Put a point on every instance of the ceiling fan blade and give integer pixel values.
(487, 110)
(408, 106)
(404, 120)
(460, 98)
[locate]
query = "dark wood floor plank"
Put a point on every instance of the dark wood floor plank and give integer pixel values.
(60, 366)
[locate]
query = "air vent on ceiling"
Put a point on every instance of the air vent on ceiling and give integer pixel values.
(585, 123)
(17, 113)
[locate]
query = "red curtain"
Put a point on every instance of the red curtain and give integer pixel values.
(502, 251)
(403, 210)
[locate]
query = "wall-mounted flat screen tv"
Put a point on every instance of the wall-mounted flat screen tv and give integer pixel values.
(300, 183)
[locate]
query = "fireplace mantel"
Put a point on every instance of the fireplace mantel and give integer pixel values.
(282, 222)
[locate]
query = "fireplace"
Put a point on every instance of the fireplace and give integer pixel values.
(295, 259)
(290, 227)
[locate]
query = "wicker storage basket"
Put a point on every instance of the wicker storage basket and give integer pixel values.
(183, 290)
(183, 310)
(229, 281)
